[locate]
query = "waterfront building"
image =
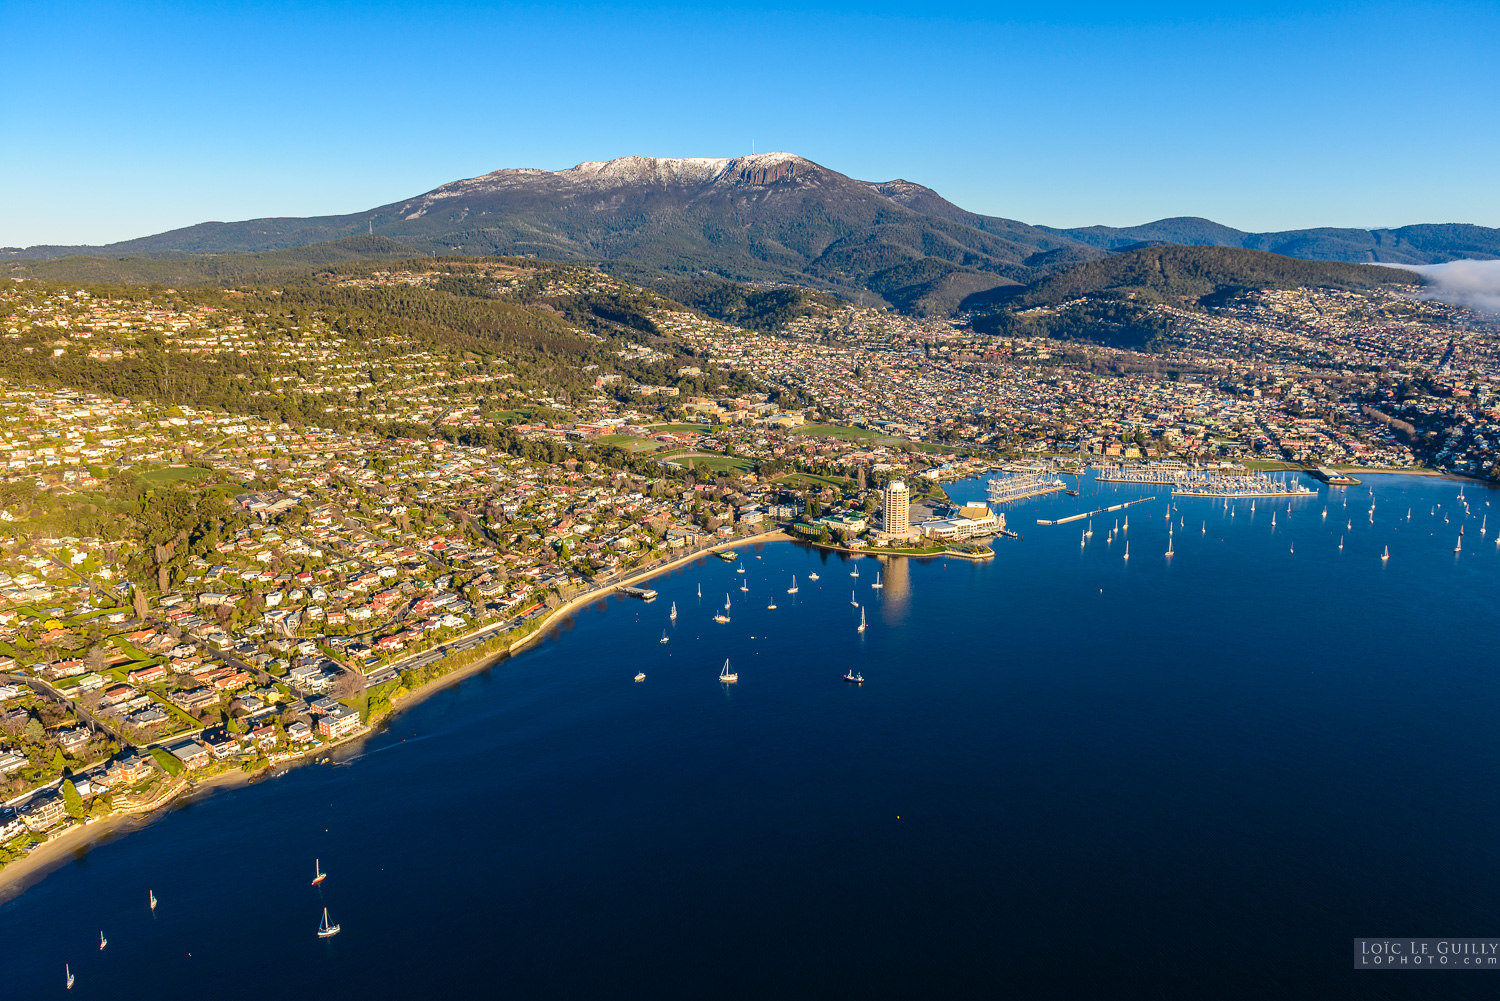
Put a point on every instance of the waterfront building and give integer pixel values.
(896, 518)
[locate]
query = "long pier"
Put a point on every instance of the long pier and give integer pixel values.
(1090, 514)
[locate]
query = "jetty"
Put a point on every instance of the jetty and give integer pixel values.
(1092, 514)
(1334, 478)
(644, 593)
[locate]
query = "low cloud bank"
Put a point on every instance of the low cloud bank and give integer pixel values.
(1475, 284)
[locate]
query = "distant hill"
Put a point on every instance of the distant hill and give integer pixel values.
(1110, 300)
(1180, 274)
(198, 269)
(1425, 244)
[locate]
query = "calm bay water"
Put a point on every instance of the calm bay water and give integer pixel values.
(1067, 775)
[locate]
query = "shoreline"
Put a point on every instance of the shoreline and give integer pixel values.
(19, 876)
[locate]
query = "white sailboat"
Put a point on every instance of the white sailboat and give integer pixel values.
(745, 587)
(640, 677)
(664, 636)
(1090, 531)
(152, 895)
(1459, 548)
(793, 588)
(1385, 555)
(772, 606)
(700, 590)
(812, 576)
(102, 941)
(726, 602)
(861, 621)
(853, 600)
(1127, 550)
(1169, 545)
(877, 585)
(326, 930)
(674, 611)
(69, 973)
(854, 572)
(1341, 542)
(727, 676)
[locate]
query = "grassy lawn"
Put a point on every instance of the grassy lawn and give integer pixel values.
(510, 416)
(627, 441)
(927, 446)
(718, 463)
(175, 474)
(168, 761)
(837, 431)
(129, 649)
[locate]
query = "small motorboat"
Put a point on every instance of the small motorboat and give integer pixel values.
(641, 676)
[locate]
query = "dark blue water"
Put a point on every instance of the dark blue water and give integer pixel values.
(1068, 775)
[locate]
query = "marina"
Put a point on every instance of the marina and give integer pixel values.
(1237, 487)
(1022, 486)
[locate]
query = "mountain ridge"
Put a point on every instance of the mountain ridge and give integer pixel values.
(768, 217)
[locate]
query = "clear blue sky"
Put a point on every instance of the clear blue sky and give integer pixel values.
(127, 119)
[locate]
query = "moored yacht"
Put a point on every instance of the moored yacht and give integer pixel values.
(326, 930)
(318, 874)
(726, 675)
